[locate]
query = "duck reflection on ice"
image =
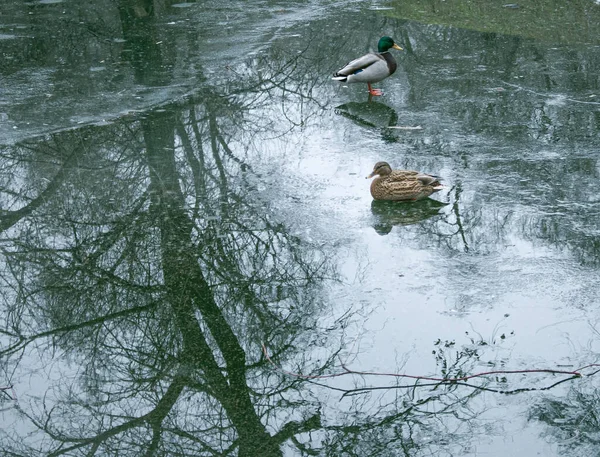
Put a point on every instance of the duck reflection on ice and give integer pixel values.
(369, 114)
(387, 214)
(374, 115)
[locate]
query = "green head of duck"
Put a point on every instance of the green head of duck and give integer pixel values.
(385, 43)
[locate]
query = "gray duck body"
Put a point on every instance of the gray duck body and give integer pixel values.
(370, 68)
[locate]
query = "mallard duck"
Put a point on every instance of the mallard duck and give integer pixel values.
(372, 67)
(402, 185)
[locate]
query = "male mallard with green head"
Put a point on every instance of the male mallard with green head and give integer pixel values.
(372, 67)
(402, 185)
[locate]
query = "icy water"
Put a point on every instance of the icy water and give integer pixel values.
(192, 263)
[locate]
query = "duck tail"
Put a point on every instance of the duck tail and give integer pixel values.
(338, 77)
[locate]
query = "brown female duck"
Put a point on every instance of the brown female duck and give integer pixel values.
(402, 185)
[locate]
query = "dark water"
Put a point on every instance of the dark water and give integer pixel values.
(190, 250)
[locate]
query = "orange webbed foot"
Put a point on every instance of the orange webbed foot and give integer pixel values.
(376, 92)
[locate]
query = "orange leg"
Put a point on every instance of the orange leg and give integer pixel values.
(374, 91)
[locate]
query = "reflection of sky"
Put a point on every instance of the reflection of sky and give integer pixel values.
(425, 291)
(511, 281)
(41, 374)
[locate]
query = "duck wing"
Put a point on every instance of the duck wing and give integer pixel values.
(401, 175)
(400, 189)
(428, 180)
(410, 175)
(357, 65)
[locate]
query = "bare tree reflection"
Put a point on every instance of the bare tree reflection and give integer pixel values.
(160, 288)
(145, 258)
(571, 420)
(142, 268)
(151, 297)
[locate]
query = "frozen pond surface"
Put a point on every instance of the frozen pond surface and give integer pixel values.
(193, 264)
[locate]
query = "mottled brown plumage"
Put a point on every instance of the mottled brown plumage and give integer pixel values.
(402, 185)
